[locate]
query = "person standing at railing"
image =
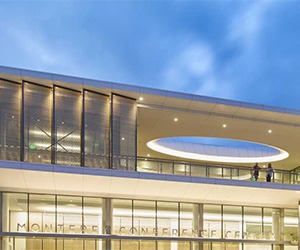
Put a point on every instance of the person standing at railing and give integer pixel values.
(255, 172)
(269, 172)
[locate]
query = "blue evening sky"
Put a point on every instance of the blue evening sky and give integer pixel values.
(241, 50)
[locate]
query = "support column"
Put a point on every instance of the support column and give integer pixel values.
(198, 224)
(282, 227)
(107, 222)
(4, 213)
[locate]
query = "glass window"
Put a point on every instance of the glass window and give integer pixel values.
(96, 130)
(252, 223)
(198, 170)
(183, 245)
(215, 172)
(69, 244)
(245, 174)
(232, 222)
(14, 212)
(144, 218)
(48, 244)
(271, 219)
(37, 123)
(130, 244)
(166, 168)
(41, 213)
(92, 215)
(122, 217)
(91, 244)
(227, 173)
(115, 245)
(146, 245)
(69, 214)
(67, 127)
(165, 245)
(291, 220)
(181, 169)
(147, 166)
(212, 221)
(188, 220)
(124, 112)
(167, 219)
(10, 105)
(31, 243)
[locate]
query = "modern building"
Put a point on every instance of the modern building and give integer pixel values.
(87, 164)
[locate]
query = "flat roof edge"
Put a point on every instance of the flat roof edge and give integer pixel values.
(142, 90)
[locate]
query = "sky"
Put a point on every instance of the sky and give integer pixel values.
(241, 50)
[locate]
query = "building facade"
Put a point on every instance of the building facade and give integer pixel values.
(79, 169)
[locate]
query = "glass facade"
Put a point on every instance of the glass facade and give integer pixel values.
(208, 224)
(124, 111)
(67, 127)
(10, 117)
(37, 123)
(96, 130)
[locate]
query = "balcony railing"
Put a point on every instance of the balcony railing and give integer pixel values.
(212, 171)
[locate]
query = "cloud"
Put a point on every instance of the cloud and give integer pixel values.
(197, 64)
(247, 24)
(193, 63)
(38, 51)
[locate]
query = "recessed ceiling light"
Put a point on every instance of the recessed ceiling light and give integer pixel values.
(269, 131)
(123, 138)
(224, 125)
(141, 98)
(175, 119)
(148, 155)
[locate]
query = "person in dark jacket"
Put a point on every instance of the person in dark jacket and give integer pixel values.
(255, 173)
(269, 172)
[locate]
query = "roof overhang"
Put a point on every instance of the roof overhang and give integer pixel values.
(197, 115)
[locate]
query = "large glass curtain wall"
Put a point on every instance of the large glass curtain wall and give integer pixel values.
(123, 149)
(37, 123)
(63, 126)
(83, 215)
(67, 127)
(74, 215)
(10, 117)
(96, 129)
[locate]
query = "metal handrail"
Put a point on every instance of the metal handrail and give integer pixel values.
(235, 172)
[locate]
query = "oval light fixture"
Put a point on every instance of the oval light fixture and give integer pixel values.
(217, 149)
